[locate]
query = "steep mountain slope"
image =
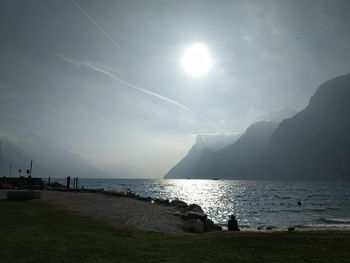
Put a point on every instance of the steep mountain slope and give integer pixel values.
(278, 116)
(236, 160)
(312, 145)
(315, 143)
(212, 142)
(222, 156)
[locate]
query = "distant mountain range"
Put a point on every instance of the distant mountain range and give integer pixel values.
(50, 158)
(314, 144)
(203, 143)
(238, 158)
(211, 152)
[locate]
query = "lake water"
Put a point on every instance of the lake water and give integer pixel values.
(255, 203)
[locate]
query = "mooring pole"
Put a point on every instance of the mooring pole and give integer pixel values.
(30, 169)
(68, 182)
(1, 163)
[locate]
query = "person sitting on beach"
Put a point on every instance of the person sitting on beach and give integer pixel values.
(232, 224)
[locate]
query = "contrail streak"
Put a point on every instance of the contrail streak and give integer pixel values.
(108, 36)
(166, 99)
(105, 72)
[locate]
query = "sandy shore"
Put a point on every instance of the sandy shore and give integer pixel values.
(139, 214)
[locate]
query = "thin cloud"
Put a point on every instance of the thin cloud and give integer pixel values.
(101, 69)
(16, 117)
(109, 37)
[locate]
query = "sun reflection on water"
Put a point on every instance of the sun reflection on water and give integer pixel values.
(255, 203)
(216, 198)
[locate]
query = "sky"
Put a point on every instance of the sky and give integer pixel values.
(103, 79)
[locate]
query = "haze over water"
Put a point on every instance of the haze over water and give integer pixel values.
(324, 205)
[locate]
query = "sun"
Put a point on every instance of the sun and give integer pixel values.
(196, 60)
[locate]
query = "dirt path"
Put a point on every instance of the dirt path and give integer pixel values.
(129, 211)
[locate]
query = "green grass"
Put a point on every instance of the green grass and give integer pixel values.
(43, 231)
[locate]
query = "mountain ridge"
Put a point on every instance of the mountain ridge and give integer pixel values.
(314, 144)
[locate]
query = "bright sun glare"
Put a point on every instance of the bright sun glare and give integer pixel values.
(196, 60)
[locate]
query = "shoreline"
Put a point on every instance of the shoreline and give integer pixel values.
(149, 213)
(45, 231)
(131, 210)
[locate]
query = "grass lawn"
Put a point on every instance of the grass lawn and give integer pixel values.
(43, 231)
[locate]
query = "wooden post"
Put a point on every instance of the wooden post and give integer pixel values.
(75, 183)
(68, 182)
(1, 163)
(10, 169)
(30, 169)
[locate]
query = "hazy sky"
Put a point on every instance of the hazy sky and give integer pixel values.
(120, 98)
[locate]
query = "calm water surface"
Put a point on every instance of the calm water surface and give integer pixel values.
(255, 203)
